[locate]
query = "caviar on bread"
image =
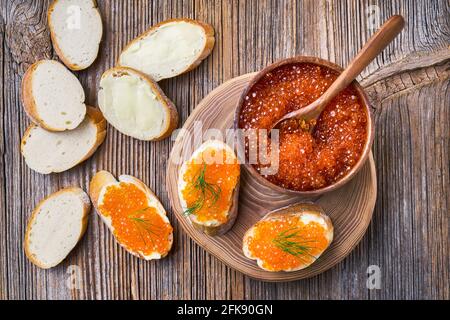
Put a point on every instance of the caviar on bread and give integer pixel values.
(289, 239)
(133, 213)
(208, 187)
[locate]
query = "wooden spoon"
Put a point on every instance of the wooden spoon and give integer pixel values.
(380, 40)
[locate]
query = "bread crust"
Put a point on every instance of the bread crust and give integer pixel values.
(297, 209)
(100, 122)
(59, 52)
(102, 179)
(207, 49)
(84, 221)
(232, 212)
(95, 116)
(28, 101)
(172, 113)
(98, 181)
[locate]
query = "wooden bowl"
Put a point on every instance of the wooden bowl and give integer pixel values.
(370, 128)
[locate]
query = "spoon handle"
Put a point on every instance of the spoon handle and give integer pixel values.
(376, 44)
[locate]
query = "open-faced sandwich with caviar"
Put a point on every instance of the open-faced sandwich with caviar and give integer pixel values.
(208, 187)
(133, 213)
(290, 238)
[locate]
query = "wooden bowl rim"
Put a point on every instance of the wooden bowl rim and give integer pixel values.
(370, 127)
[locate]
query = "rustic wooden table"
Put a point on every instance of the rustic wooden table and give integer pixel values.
(408, 84)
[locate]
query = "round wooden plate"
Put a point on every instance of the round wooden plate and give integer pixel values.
(350, 207)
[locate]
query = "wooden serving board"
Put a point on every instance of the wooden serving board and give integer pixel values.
(349, 207)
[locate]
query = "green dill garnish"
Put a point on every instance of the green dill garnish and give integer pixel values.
(143, 224)
(292, 243)
(206, 190)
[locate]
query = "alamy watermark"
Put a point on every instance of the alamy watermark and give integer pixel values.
(374, 277)
(373, 17)
(75, 279)
(73, 20)
(253, 146)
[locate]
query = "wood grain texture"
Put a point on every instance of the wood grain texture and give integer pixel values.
(350, 207)
(409, 87)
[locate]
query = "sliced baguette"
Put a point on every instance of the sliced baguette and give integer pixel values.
(135, 105)
(210, 227)
(98, 189)
(46, 152)
(52, 96)
(76, 31)
(56, 225)
(307, 213)
(170, 48)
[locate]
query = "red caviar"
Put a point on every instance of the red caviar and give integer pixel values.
(307, 161)
(136, 225)
(265, 242)
(222, 177)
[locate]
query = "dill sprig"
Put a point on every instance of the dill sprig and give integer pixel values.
(206, 189)
(291, 242)
(143, 224)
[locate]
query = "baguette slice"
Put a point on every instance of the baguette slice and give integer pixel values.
(290, 238)
(135, 105)
(46, 152)
(52, 96)
(169, 48)
(133, 214)
(76, 31)
(56, 225)
(217, 212)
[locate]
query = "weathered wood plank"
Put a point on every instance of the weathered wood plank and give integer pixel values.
(3, 212)
(408, 84)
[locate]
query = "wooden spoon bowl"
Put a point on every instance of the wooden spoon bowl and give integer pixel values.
(363, 99)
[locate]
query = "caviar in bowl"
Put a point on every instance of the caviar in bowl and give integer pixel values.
(309, 162)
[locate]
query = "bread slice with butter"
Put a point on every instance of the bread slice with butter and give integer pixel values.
(56, 225)
(135, 105)
(76, 31)
(169, 48)
(46, 151)
(52, 96)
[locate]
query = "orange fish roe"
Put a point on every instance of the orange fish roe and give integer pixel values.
(307, 161)
(136, 225)
(286, 243)
(214, 201)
